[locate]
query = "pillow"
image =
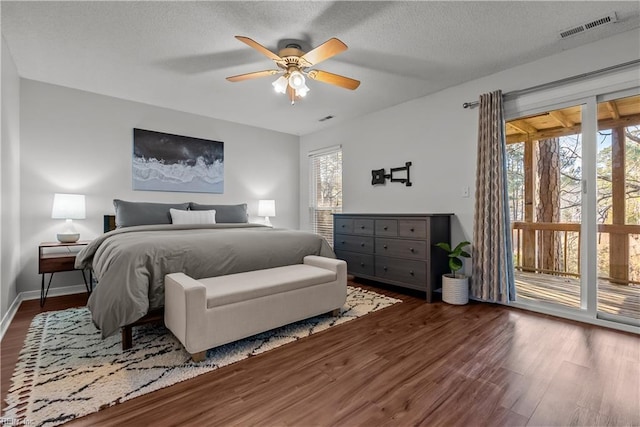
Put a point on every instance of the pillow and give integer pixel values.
(192, 217)
(129, 214)
(225, 213)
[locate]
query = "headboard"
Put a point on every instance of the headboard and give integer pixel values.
(109, 223)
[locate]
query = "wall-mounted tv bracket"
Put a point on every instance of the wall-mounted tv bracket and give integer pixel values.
(378, 176)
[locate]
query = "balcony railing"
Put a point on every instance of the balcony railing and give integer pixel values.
(554, 248)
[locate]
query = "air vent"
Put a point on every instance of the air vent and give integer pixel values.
(571, 32)
(325, 118)
(579, 29)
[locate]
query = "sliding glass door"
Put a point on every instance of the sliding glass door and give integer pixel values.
(574, 191)
(618, 208)
(545, 193)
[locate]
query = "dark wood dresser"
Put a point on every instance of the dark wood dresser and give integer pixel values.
(397, 249)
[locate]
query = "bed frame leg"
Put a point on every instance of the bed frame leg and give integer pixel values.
(199, 357)
(127, 337)
(336, 312)
(154, 316)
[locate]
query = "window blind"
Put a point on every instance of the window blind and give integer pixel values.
(325, 167)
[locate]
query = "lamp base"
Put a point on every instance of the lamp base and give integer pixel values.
(68, 238)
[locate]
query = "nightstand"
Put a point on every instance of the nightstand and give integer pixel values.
(55, 257)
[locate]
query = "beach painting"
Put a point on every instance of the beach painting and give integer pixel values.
(166, 162)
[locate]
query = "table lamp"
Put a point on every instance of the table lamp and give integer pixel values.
(267, 208)
(68, 207)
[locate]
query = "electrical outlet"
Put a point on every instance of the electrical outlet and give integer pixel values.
(464, 192)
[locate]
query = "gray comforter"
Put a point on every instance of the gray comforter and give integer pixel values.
(130, 263)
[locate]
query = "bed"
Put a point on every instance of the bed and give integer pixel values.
(130, 262)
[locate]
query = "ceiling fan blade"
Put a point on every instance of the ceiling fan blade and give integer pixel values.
(325, 51)
(334, 79)
(257, 46)
(253, 75)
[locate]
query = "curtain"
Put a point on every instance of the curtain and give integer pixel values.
(492, 269)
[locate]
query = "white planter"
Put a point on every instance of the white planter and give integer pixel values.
(455, 290)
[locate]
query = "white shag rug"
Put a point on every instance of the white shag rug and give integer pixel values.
(65, 370)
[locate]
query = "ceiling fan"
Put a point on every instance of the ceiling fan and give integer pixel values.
(294, 63)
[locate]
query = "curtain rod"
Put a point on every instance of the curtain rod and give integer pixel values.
(559, 82)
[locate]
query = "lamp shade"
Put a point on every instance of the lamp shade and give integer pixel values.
(267, 208)
(68, 206)
(296, 80)
(280, 85)
(302, 91)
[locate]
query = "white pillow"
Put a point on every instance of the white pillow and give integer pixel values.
(192, 217)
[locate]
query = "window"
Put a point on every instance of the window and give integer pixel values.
(325, 179)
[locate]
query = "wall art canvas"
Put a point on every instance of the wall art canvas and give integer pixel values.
(166, 162)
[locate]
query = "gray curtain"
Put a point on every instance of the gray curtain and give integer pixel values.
(492, 278)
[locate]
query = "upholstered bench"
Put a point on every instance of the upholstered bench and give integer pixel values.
(209, 312)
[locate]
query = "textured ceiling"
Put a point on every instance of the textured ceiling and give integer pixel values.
(177, 54)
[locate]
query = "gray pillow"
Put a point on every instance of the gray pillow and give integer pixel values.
(225, 213)
(129, 214)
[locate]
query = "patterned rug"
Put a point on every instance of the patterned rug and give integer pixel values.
(65, 370)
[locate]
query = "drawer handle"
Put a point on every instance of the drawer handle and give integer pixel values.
(385, 228)
(362, 227)
(412, 250)
(342, 242)
(342, 226)
(362, 244)
(411, 272)
(385, 246)
(362, 264)
(412, 229)
(384, 268)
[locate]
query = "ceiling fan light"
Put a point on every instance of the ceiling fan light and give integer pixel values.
(302, 92)
(280, 85)
(296, 80)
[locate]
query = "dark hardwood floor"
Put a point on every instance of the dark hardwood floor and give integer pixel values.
(409, 364)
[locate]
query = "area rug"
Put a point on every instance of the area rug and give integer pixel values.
(65, 369)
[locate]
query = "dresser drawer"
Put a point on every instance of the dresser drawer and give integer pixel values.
(412, 249)
(386, 227)
(343, 225)
(412, 273)
(413, 228)
(357, 263)
(363, 226)
(352, 243)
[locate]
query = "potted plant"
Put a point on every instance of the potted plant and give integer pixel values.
(455, 287)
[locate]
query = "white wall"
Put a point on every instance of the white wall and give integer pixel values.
(9, 181)
(439, 137)
(79, 142)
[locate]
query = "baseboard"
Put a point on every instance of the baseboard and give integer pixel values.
(9, 315)
(31, 295)
(54, 292)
